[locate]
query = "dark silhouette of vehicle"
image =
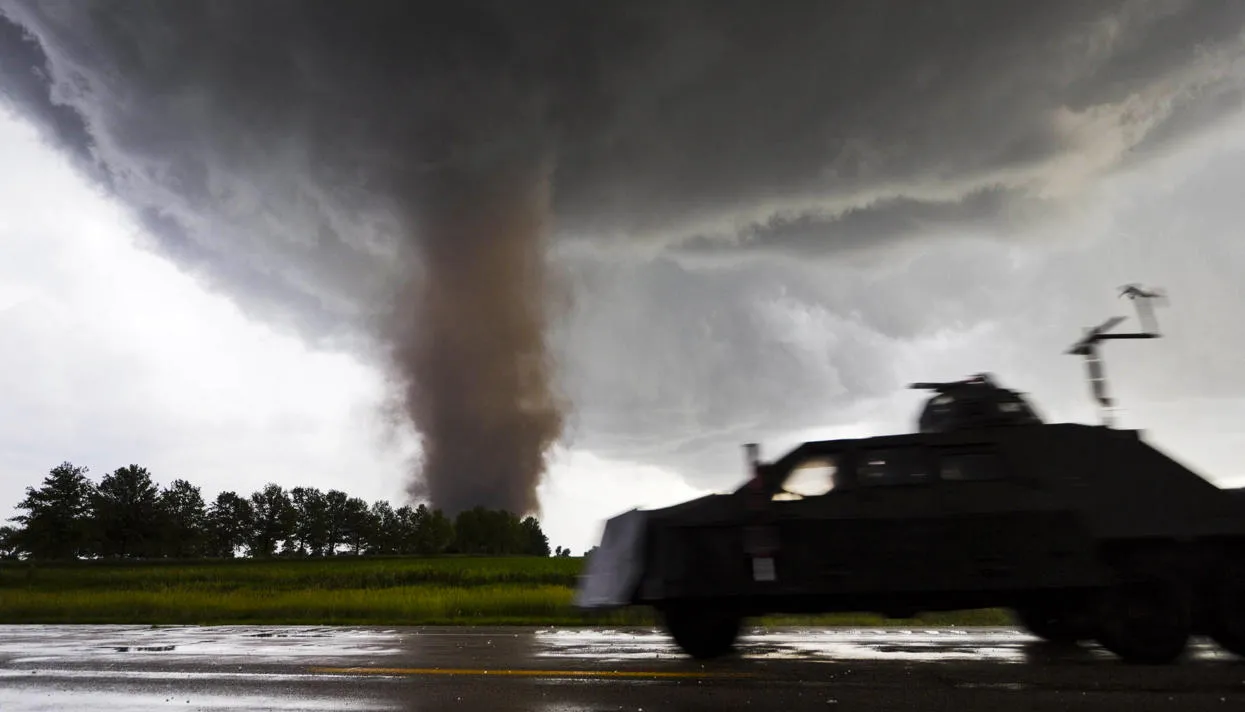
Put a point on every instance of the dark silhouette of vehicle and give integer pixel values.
(1086, 532)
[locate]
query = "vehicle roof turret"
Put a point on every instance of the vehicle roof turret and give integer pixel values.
(975, 402)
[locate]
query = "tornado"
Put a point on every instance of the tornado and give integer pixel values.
(469, 341)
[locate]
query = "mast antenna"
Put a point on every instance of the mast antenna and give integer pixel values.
(1088, 347)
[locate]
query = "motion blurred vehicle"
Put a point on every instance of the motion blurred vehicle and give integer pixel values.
(1086, 532)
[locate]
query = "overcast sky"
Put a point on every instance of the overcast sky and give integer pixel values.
(754, 249)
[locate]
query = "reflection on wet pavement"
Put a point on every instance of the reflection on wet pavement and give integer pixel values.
(43, 643)
(38, 644)
(1004, 645)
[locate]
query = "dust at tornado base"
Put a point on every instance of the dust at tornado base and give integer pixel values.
(468, 669)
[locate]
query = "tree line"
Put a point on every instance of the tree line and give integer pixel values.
(127, 515)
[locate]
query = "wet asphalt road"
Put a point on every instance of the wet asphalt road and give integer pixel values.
(469, 670)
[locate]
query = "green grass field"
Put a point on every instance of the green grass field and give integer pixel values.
(344, 590)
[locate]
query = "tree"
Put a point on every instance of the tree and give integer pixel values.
(313, 527)
(9, 548)
(471, 532)
(385, 535)
(56, 523)
(498, 532)
(126, 516)
(336, 501)
(272, 520)
(183, 520)
(406, 529)
(435, 533)
(357, 524)
(536, 544)
(229, 523)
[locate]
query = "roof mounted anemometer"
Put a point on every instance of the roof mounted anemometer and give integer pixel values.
(1088, 345)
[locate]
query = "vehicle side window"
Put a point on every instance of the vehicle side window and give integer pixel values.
(811, 478)
(897, 466)
(970, 467)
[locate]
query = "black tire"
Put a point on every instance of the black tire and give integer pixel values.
(1226, 609)
(703, 630)
(1056, 623)
(1145, 620)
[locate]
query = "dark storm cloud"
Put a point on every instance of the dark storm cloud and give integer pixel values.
(315, 159)
(24, 67)
(820, 112)
(860, 228)
(666, 117)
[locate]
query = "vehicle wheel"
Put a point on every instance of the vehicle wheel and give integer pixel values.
(1060, 624)
(703, 631)
(1145, 620)
(1226, 617)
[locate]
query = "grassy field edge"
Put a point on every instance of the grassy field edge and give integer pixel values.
(388, 591)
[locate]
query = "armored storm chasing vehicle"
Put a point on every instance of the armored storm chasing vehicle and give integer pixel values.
(1086, 532)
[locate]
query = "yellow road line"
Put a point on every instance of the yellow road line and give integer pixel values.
(522, 673)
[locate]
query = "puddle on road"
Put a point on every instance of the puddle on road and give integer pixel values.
(81, 643)
(804, 644)
(41, 699)
(1000, 645)
(830, 645)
